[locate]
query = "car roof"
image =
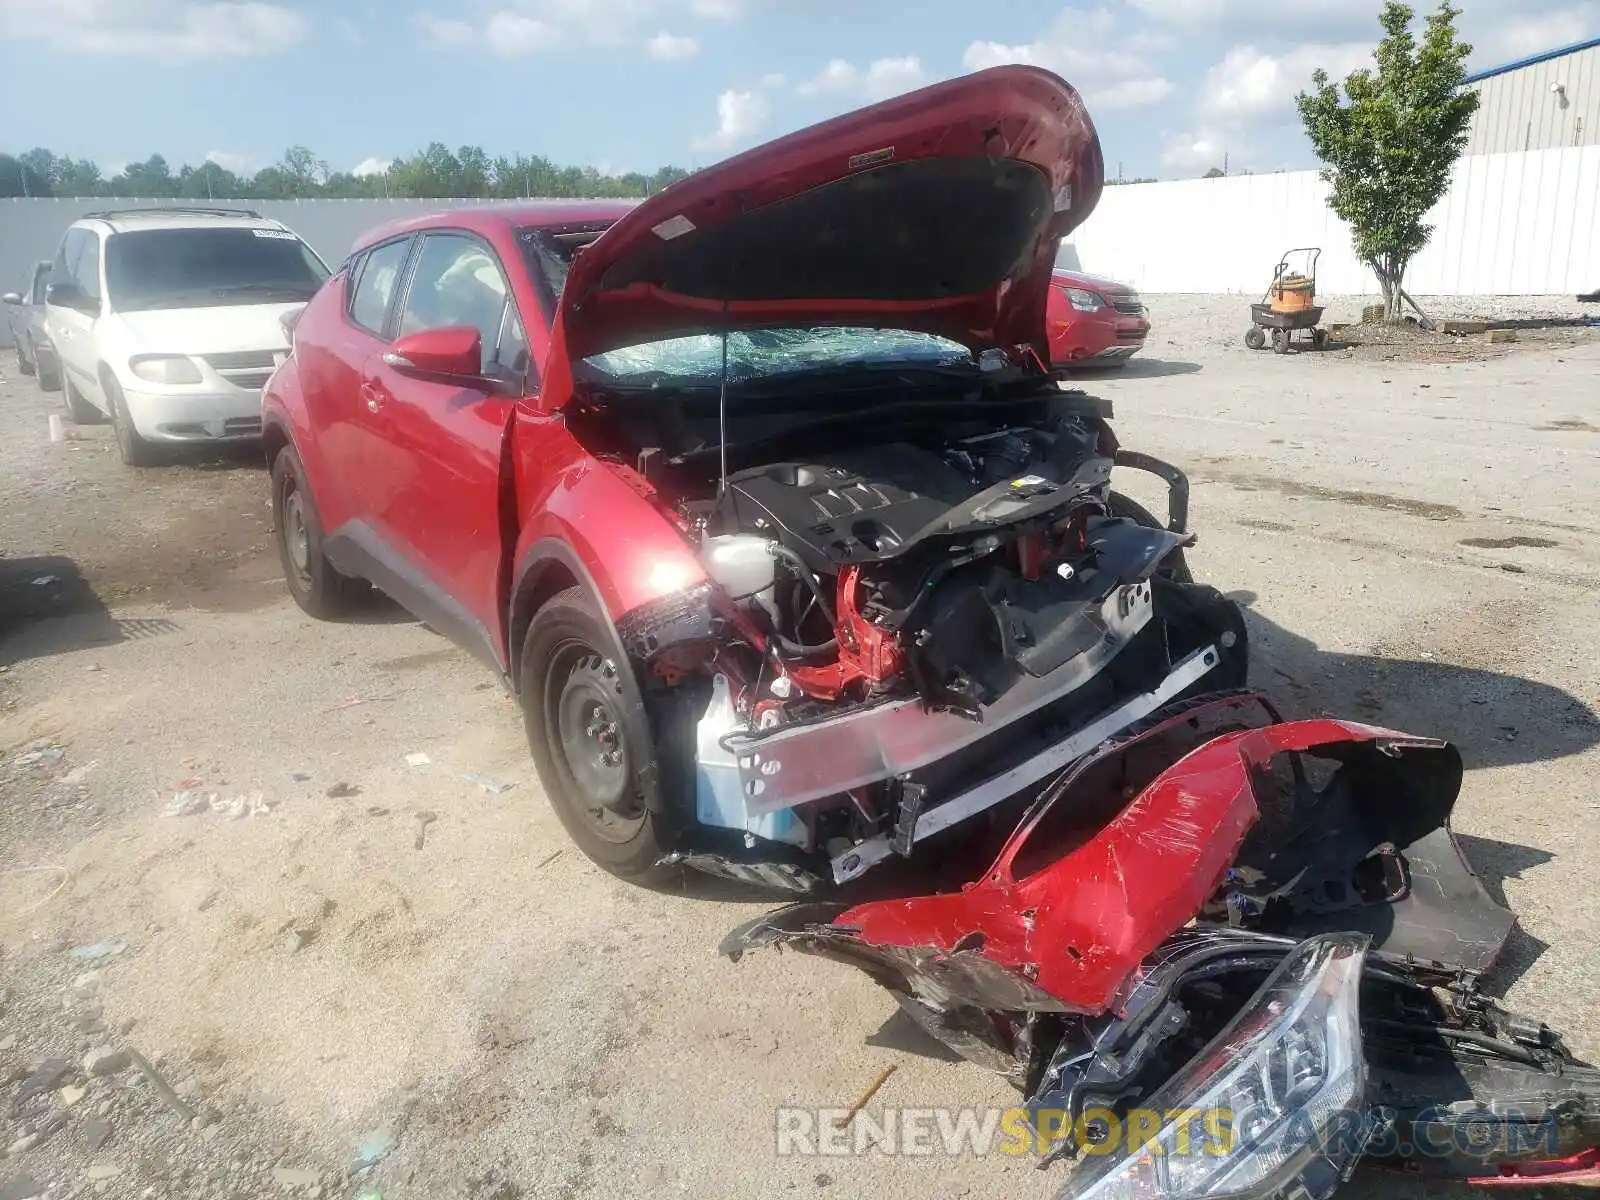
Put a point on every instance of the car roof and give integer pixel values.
(169, 217)
(500, 217)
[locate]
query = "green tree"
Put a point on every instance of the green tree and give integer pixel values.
(19, 179)
(1389, 144)
(1215, 173)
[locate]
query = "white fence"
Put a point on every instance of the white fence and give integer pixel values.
(1511, 224)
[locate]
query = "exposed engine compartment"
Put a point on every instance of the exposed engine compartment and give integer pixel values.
(907, 627)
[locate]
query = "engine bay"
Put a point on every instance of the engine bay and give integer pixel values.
(903, 621)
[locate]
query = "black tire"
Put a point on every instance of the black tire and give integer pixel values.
(1255, 338)
(135, 451)
(25, 365)
(1319, 339)
(1280, 341)
(591, 738)
(49, 378)
(1175, 566)
(313, 582)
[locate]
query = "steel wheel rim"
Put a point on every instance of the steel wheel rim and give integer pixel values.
(296, 538)
(583, 712)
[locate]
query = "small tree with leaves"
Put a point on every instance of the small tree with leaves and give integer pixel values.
(1389, 144)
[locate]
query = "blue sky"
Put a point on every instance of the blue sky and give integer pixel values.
(1174, 85)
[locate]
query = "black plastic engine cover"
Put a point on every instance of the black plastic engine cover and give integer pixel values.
(858, 507)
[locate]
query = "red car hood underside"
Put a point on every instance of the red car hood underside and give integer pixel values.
(938, 211)
(1079, 928)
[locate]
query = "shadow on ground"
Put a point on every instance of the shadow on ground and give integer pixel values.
(1134, 368)
(1495, 719)
(47, 607)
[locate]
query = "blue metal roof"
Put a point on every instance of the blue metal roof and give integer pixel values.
(1531, 59)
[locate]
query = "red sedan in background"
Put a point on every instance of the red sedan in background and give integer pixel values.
(1093, 321)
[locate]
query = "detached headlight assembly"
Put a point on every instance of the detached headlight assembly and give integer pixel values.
(1277, 1098)
(165, 368)
(1085, 301)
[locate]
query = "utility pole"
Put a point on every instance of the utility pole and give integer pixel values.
(1224, 162)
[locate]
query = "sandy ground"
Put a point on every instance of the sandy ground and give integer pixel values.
(1418, 543)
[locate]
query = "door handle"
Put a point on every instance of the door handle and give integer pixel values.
(372, 396)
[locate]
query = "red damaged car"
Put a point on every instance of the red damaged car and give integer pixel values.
(1094, 322)
(762, 499)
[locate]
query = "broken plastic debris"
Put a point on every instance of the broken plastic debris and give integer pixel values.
(46, 580)
(374, 1148)
(492, 786)
(417, 759)
(78, 774)
(299, 777)
(343, 791)
(186, 804)
(41, 754)
(107, 948)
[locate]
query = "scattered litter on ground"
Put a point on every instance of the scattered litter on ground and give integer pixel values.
(493, 786)
(162, 1088)
(71, 1095)
(37, 755)
(106, 948)
(46, 580)
(78, 774)
(186, 804)
(299, 777)
(343, 791)
(239, 807)
(548, 859)
(872, 1090)
(417, 759)
(424, 819)
(54, 892)
(375, 1147)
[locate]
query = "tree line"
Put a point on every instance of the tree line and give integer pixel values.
(434, 173)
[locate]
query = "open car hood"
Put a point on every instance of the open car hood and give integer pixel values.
(938, 211)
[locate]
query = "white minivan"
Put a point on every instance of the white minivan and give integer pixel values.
(170, 320)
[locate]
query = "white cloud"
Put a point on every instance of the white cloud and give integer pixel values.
(740, 116)
(512, 33)
(371, 166)
(1132, 93)
(1249, 84)
(1199, 151)
(884, 77)
(239, 164)
(670, 48)
(773, 79)
(1089, 48)
(1508, 34)
(160, 29)
(443, 29)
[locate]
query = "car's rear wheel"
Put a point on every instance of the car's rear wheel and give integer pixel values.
(1174, 566)
(590, 736)
(135, 451)
(317, 587)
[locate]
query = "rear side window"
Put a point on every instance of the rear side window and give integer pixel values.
(379, 274)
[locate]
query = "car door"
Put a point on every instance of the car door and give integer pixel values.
(440, 471)
(331, 356)
(34, 300)
(72, 326)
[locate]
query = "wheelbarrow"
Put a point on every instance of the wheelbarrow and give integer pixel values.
(1289, 306)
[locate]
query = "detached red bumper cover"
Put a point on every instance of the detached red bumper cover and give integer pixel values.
(1079, 927)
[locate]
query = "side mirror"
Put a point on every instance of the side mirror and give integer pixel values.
(65, 295)
(11, 298)
(452, 353)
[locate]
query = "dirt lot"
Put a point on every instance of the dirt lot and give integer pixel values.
(423, 968)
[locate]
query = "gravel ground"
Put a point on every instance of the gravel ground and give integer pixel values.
(352, 952)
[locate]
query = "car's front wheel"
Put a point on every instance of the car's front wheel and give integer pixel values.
(590, 736)
(49, 378)
(1174, 566)
(135, 451)
(25, 365)
(316, 586)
